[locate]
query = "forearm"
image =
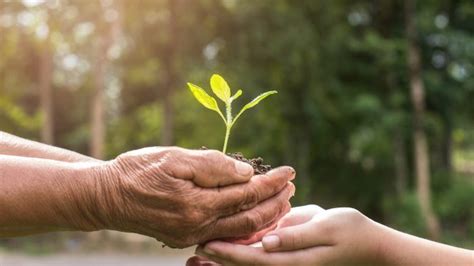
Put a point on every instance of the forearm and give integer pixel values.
(39, 195)
(12, 145)
(397, 248)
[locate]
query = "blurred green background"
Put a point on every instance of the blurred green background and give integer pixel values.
(104, 77)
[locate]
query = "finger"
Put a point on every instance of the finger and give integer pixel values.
(313, 233)
(233, 199)
(255, 219)
(215, 259)
(299, 215)
(253, 238)
(200, 261)
(207, 168)
(235, 254)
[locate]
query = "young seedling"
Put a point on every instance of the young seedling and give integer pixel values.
(222, 90)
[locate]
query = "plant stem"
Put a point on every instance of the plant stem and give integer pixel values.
(228, 125)
(226, 139)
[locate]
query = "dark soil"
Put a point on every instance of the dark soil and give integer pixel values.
(257, 163)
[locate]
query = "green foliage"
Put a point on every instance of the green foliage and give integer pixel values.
(14, 117)
(404, 214)
(343, 114)
(204, 98)
(222, 90)
(136, 129)
(455, 206)
(253, 103)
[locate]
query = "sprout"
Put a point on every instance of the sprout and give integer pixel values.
(221, 89)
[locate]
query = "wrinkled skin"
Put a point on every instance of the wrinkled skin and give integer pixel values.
(184, 197)
(181, 197)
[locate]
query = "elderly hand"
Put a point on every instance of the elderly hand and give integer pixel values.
(184, 197)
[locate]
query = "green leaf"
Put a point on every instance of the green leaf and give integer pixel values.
(220, 87)
(236, 95)
(204, 98)
(258, 99)
(254, 102)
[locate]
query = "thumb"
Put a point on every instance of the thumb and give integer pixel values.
(301, 236)
(212, 168)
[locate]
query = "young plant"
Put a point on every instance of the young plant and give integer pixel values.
(222, 90)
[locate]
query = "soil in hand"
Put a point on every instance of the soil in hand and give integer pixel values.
(257, 163)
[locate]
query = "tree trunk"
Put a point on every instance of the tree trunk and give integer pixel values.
(98, 125)
(98, 100)
(401, 175)
(46, 94)
(419, 137)
(98, 108)
(303, 152)
(169, 80)
(447, 144)
(167, 136)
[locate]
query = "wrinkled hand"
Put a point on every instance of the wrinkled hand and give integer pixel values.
(308, 235)
(184, 197)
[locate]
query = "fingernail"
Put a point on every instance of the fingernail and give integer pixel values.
(243, 169)
(293, 173)
(271, 242)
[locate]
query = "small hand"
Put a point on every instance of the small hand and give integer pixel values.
(149, 191)
(307, 235)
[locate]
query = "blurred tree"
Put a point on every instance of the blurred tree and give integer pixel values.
(45, 71)
(342, 118)
(169, 83)
(422, 162)
(109, 27)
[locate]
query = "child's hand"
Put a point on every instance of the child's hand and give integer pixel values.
(308, 235)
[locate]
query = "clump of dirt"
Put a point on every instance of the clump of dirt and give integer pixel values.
(257, 163)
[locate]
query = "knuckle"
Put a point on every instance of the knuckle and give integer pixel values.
(199, 218)
(314, 207)
(289, 240)
(213, 155)
(221, 163)
(174, 151)
(194, 218)
(353, 212)
(282, 209)
(209, 160)
(217, 154)
(251, 196)
(285, 196)
(326, 228)
(353, 215)
(252, 223)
